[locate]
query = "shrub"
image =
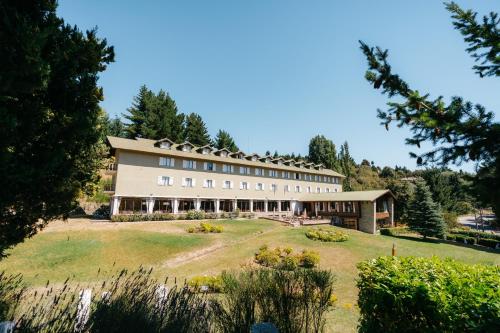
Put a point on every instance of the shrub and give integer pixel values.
(493, 243)
(294, 301)
(398, 294)
(206, 228)
(309, 259)
(142, 217)
(474, 233)
(195, 215)
(102, 212)
(212, 283)
(451, 220)
(267, 258)
(327, 235)
(395, 231)
(465, 239)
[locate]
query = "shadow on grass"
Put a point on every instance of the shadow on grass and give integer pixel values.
(442, 241)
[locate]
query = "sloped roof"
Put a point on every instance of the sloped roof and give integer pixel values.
(345, 196)
(147, 146)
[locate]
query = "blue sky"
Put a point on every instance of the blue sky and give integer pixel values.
(276, 73)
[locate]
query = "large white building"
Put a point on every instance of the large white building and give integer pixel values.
(163, 177)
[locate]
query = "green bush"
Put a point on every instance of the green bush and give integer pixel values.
(493, 243)
(212, 283)
(285, 258)
(407, 294)
(327, 235)
(395, 231)
(142, 217)
(473, 233)
(295, 301)
(205, 227)
(195, 215)
(465, 239)
(451, 220)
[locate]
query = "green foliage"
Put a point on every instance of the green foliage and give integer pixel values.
(205, 227)
(493, 243)
(460, 131)
(403, 194)
(51, 123)
(196, 131)
(473, 233)
(395, 231)
(323, 151)
(142, 217)
(294, 301)
(451, 220)
(114, 127)
(11, 291)
(195, 215)
(285, 258)
(154, 116)
(347, 166)
(224, 140)
(398, 294)
(424, 216)
(205, 283)
(325, 235)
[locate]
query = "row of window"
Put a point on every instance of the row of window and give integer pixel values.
(229, 168)
(229, 184)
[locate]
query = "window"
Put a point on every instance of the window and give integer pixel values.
(223, 154)
(324, 179)
(259, 172)
(297, 176)
(165, 145)
(327, 190)
(166, 162)
(254, 158)
(188, 182)
(209, 166)
(189, 164)
(186, 148)
(274, 187)
(259, 186)
(287, 188)
(286, 174)
(228, 184)
(273, 173)
(165, 180)
(309, 189)
(208, 183)
(298, 189)
(205, 151)
(316, 178)
(243, 186)
(227, 168)
(280, 162)
(318, 189)
(244, 170)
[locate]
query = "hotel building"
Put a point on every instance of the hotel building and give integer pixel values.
(161, 176)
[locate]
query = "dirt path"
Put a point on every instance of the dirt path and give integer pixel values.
(199, 254)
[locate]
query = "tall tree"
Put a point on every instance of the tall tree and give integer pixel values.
(114, 127)
(50, 120)
(138, 113)
(460, 131)
(424, 216)
(322, 150)
(196, 131)
(224, 140)
(347, 166)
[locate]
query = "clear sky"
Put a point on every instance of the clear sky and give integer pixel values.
(276, 73)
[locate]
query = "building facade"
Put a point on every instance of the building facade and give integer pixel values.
(151, 176)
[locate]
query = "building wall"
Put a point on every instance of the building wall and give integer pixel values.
(367, 219)
(138, 174)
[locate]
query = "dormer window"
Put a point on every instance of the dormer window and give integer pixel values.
(165, 145)
(254, 158)
(205, 151)
(186, 148)
(223, 154)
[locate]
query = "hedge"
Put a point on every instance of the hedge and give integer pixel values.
(395, 231)
(190, 215)
(327, 235)
(408, 294)
(475, 234)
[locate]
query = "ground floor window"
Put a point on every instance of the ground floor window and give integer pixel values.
(133, 206)
(226, 205)
(285, 206)
(272, 206)
(162, 206)
(244, 205)
(185, 205)
(259, 206)
(207, 205)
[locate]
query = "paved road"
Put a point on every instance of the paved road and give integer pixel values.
(468, 220)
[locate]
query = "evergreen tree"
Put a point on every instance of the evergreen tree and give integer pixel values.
(114, 127)
(322, 150)
(460, 131)
(347, 166)
(138, 113)
(424, 216)
(51, 129)
(224, 140)
(196, 131)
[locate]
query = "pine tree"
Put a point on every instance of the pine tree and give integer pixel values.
(424, 216)
(323, 151)
(196, 131)
(114, 127)
(347, 166)
(138, 113)
(224, 140)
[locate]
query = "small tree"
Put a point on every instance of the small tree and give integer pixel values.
(424, 215)
(224, 140)
(196, 130)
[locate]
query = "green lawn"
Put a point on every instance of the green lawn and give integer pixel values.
(79, 248)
